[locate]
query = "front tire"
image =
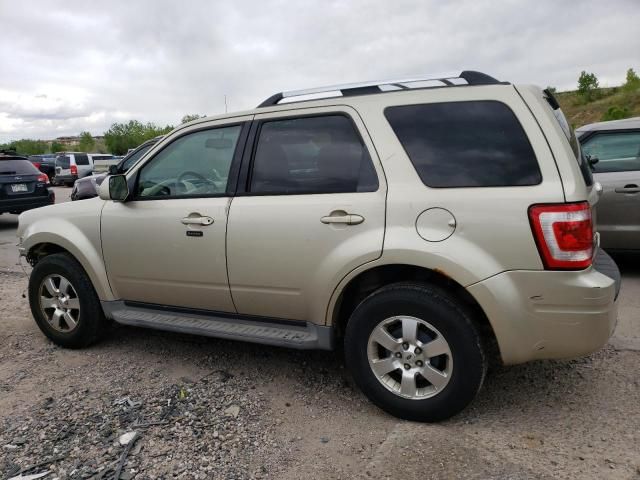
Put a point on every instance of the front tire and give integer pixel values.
(414, 350)
(64, 303)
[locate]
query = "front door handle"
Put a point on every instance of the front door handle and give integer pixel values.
(197, 220)
(631, 188)
(343, 217)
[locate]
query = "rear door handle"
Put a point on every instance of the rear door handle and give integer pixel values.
(197, 220)
(345, 218)
(631, 188)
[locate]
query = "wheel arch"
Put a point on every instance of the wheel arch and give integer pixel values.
(370, 280)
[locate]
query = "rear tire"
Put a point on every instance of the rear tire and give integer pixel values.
(64, 303)
(432, 363)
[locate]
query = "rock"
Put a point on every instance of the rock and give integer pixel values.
(125, 438)
(232, 411)
(324, 439)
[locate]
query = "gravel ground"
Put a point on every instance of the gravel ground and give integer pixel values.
(207, 408)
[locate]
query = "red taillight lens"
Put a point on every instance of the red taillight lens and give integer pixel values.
(74, 170)
(564, 235)
(43, 178)
(37, 165)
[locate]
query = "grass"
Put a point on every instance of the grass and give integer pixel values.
(579, 113)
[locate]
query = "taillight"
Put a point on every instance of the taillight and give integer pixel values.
(43, 178)
(564, 234)
(74, 170)
(37, 165)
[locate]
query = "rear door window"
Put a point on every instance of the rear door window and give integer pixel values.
(465, 144)
(616, 152)
(306, 155)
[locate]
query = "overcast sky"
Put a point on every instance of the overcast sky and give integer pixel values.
(69, 66)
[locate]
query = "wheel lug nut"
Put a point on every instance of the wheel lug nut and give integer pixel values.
(407, 366)
(419, 363)
(398, 355)
(405, 345)
(418, 350)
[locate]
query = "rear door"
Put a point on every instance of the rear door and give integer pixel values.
(84, 164)
(312, 209)
(618, 171)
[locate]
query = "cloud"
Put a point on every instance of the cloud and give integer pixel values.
(75, 65)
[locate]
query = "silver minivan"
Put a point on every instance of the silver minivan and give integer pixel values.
(71, 166)
(614, 152)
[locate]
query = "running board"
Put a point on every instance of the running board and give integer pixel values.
(282, 333)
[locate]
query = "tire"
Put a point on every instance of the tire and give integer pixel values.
(438, 316)
(90, 322)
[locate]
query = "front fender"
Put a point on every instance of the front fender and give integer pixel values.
(78, 233)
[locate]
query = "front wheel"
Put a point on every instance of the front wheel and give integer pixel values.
(64, 303)
(415, 352)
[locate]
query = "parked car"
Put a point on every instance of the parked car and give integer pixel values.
(101, 161)
(614, 149)
(416, 222)
(87, 187)
(45, 163)
(22, 185)
(70, 166)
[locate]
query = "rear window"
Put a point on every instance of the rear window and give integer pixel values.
(62, 161)
(82, 160)
(17, 167)
(465, 144)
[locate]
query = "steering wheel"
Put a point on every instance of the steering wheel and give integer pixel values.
(195, 174)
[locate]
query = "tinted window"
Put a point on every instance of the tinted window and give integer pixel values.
(82, 160)
(63, 161)
(17, 167)
(465, 144)
(134, 157)
(311, 155)
(194, 165)
(616, 152)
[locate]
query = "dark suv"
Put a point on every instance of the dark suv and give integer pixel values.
(22, 185)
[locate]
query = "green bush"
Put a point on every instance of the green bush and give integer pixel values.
(615, 113)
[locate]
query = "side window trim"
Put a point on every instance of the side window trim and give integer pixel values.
(132, 180)
(248, 158)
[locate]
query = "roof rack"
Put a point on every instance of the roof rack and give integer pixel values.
(466, 77)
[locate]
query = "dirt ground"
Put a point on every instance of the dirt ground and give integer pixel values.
(207, 408)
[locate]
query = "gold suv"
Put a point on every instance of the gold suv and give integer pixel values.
(418, 222)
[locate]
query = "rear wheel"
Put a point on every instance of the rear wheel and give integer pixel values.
(64, 303)
(415, 352)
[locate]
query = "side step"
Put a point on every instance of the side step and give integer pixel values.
(299, 335)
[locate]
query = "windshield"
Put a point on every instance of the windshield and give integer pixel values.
(128, 162)
(17, 167)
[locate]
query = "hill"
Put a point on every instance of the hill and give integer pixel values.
(579, 113)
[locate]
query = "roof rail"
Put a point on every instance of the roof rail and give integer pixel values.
(466, 77)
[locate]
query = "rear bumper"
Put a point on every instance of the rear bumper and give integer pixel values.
(20, 205)
(60, 178)
(551, 314)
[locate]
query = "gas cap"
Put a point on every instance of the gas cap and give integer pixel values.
(436, 224)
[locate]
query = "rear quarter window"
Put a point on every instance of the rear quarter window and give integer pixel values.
(82, 160)
(465, 144)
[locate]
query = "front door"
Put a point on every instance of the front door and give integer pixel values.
(618, 170)
(313, 210)
(166, 245)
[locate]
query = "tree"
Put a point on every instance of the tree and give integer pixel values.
(189, 118)
(87, 143)
(615, 113)
(122, 136)
(56, 147)
(587, 85)
(27, 146)
(633, 81)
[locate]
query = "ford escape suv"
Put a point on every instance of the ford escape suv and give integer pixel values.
(421, 223)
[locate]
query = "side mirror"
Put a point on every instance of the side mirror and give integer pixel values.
(114, 188)
(591, 160)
